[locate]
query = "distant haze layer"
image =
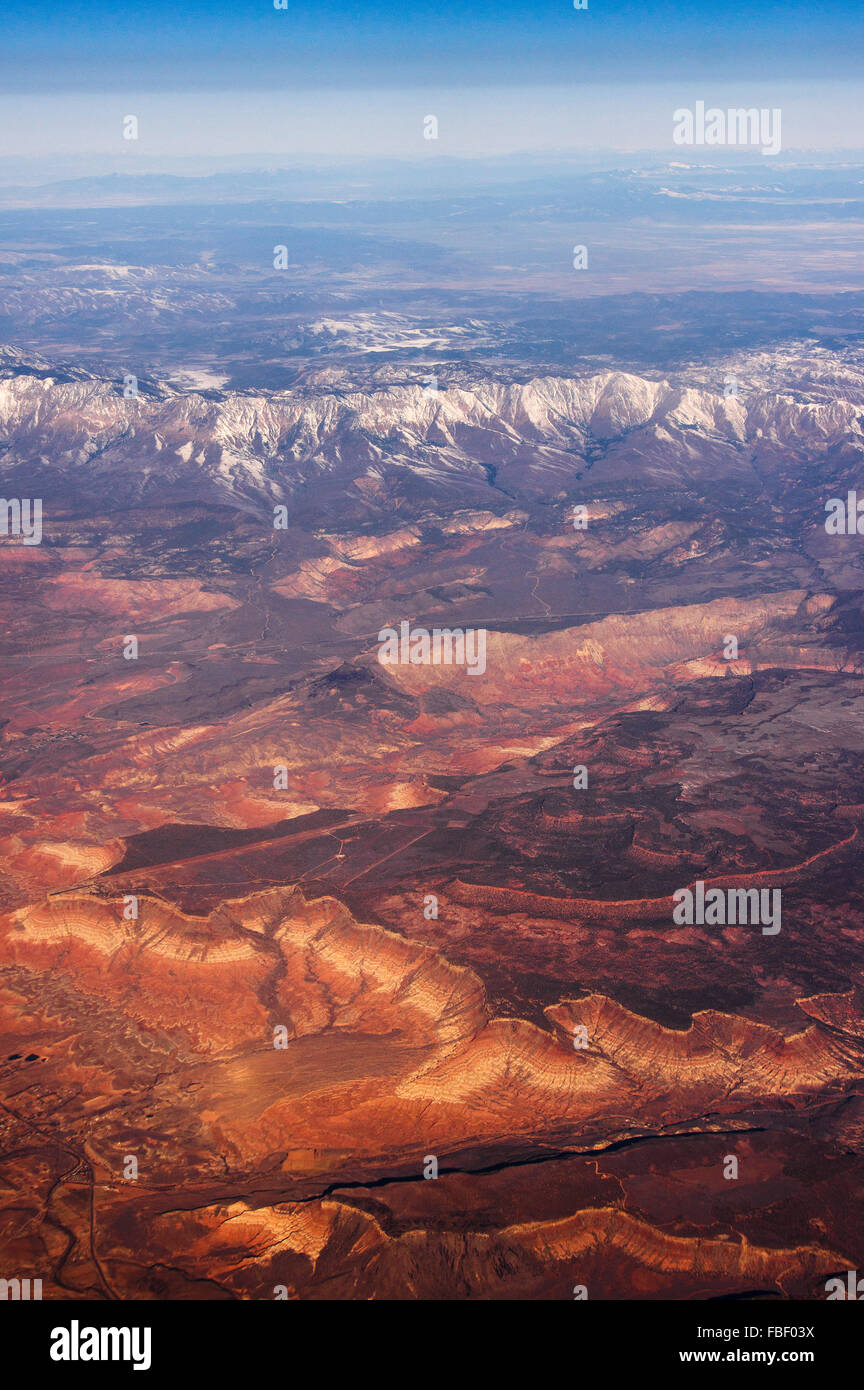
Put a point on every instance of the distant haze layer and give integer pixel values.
(490, 120)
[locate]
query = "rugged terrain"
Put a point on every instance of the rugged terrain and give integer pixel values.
(385, 954)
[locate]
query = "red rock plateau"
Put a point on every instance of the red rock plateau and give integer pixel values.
(284, 930)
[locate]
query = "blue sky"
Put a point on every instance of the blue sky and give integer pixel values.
(247, 44)
(233, 78)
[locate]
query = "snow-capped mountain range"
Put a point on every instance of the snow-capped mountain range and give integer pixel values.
(77, 431)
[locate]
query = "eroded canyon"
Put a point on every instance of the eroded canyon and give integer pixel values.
(281, 925)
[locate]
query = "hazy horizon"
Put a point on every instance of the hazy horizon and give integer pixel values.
(494, 121)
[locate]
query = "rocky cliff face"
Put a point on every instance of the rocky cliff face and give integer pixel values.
(489, 441)
(295, 929)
